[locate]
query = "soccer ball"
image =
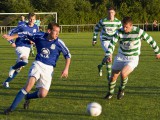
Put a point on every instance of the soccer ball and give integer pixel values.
(94, 109)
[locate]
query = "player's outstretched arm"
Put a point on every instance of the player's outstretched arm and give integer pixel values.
(66, 69)
(8, 38)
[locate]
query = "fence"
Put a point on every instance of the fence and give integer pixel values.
(83, 28)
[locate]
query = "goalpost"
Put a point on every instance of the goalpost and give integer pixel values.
(10, 20)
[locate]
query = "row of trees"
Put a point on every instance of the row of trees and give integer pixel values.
(86, 11)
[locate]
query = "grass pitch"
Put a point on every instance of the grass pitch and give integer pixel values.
(68, 98)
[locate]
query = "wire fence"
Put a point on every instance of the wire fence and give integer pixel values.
(82, 28)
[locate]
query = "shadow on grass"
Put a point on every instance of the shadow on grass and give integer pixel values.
(41, 112)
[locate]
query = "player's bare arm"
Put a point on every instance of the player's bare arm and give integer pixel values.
(8, 38)
(66, 69)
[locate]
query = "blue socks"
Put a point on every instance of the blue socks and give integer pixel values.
(19, 64)
(21, 94)
(32, 95)
(18, 99)
(9, 79)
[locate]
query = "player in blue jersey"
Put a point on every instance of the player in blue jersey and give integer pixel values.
(22, 47)
(49, 47)
(22, 21)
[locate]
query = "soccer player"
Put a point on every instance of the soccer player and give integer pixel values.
(22, 47)
(108, 27)
(129, 38)
(22, 21)
(49, 47)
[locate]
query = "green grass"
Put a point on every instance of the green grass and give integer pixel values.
(68, 98)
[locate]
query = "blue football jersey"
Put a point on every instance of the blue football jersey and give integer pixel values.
(48, 51)
(21, 22)
(23, 41)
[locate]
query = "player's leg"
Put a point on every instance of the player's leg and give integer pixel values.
(124, 79)
(116, 70)
(9, 79)
(126, 71)
(23, 54)
(112, 83)
(104, 45)
(21, 63)
(14, 70)
(109, 69)
(21, 94)
(32, 50)
(44, 77)
(40, 93)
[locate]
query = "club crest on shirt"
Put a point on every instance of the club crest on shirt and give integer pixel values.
(34, 30)
(53, 46)
(45, 52)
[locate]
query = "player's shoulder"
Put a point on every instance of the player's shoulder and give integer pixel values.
(60, 42)
(117, 20)
(105, 19)
(22, 24)
(40, 34)
(120, 30)
(137, 29)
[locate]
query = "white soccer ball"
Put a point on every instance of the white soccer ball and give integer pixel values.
(94, 109)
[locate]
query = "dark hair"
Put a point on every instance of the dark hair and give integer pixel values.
(111, 8)
(127, 20)
(31, 15)
(52, 24)
(22, 15)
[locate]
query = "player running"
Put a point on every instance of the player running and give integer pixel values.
(129, 38)
(49, 47)
(22, 47)
(108, 27)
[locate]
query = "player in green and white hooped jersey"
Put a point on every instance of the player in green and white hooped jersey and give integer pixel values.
(108, 27)
(129, 38)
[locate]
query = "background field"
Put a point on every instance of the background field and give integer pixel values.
(68, 98)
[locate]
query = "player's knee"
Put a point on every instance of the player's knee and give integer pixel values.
(113, 78)
(24, 61)
(123, 75)
(42, 95)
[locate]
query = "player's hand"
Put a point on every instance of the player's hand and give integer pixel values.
(93, 43)
(158, 56)
(31, 42)
(13, 45)
(64, 73)
(109, 59)
(7, 37)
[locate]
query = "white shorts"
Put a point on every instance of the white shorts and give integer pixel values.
(43, 74)
(120, 61)
(22, 51)
(104, 44)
